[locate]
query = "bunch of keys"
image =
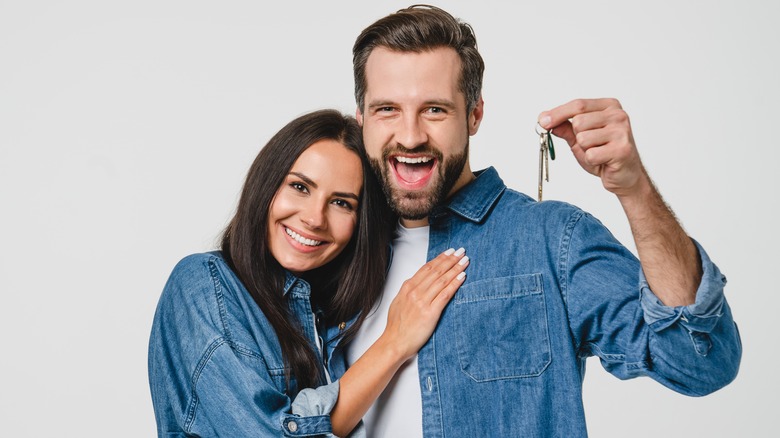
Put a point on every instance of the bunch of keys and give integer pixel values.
(546, 150)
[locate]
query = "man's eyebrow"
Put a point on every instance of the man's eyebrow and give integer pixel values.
(440, 102)
(380, 103)
(311, 182)
(433, 102)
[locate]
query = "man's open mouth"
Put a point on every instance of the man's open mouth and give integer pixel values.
(413, 172)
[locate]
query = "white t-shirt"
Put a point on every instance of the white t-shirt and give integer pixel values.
(398, 410)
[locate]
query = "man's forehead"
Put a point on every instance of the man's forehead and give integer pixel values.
(430, 74)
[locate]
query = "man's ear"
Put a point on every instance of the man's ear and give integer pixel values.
(359, 116)
(475, 117)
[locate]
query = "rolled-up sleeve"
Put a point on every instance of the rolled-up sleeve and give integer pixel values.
(701, 316)
(312, 402)
(614, 315)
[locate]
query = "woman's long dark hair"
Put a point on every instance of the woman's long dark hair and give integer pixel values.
(347, 286)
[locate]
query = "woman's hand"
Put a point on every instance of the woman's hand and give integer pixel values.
(416, 309)
(412, 316)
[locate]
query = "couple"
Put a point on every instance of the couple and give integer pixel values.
(320, 309)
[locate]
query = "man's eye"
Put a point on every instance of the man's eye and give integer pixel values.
(436, 110)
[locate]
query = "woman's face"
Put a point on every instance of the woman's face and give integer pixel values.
(314, 212)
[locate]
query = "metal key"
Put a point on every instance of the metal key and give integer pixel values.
(546, 153)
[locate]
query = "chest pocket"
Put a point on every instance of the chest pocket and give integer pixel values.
(502, 328)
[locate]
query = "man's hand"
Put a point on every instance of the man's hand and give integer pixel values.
(599, 134)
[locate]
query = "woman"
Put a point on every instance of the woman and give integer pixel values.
(249, 341)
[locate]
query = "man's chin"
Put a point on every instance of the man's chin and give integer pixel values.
(412, 206)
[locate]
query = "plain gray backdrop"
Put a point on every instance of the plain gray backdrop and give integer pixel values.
(126, 130)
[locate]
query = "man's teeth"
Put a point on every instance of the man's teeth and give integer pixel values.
(414, 160)
(300, 239)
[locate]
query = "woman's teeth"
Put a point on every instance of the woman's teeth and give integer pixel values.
(300, 239)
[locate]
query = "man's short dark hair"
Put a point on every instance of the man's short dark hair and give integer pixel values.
(421, 28)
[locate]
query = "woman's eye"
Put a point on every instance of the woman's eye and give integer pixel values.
(343, 204)
(299, 187)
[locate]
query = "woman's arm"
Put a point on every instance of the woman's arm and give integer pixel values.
(411, 320)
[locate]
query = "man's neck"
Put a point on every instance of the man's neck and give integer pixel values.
(416, 223)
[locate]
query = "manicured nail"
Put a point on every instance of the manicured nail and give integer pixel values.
(460, 251)
(449, 251)
(544, 121)
(464, 260)
(461, 276)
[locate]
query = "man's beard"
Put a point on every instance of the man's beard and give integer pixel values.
(416, 205)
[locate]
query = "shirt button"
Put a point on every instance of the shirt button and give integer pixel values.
(430, 384)
(292, 426)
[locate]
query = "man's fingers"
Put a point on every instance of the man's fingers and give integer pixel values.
(566, 132)
(558, 115)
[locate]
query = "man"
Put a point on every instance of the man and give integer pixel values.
(548, 285)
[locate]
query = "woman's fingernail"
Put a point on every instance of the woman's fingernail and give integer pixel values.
(461, 276)
(464, 260)
(544, 121)
(460, 251)
(449, 251)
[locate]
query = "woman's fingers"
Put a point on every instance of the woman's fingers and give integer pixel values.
(437, 275)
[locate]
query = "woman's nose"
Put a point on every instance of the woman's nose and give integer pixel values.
(313, 215)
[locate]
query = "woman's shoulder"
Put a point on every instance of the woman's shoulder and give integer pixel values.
(193, 283)
(194, 269)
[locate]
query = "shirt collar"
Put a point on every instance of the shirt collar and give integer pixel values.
(474, 201)
(290, 281)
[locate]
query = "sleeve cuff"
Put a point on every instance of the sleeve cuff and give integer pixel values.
(311, 412)
(702, 315)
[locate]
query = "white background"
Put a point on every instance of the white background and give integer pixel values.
(126, 130)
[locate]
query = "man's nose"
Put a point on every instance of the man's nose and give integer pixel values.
(411, 132)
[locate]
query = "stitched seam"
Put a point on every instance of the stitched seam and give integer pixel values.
(563, 265)
(195, 376)
(219, 297)
(204, 360)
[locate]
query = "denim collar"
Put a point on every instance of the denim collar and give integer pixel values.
(290, 281)
(474, 201)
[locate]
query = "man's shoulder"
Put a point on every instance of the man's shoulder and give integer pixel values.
(515, 202)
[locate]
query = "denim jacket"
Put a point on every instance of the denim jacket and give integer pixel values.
(547, 287)
(215, 364)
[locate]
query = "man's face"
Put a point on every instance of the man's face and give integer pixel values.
(416, 128)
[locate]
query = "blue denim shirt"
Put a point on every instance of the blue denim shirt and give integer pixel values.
(547, 287)
(215, 364)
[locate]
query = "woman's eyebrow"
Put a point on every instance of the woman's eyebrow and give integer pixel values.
(305, 179)
(311, 182)
(346, 195)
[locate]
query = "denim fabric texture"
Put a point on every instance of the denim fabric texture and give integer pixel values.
(547, 287)
(215, 364)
